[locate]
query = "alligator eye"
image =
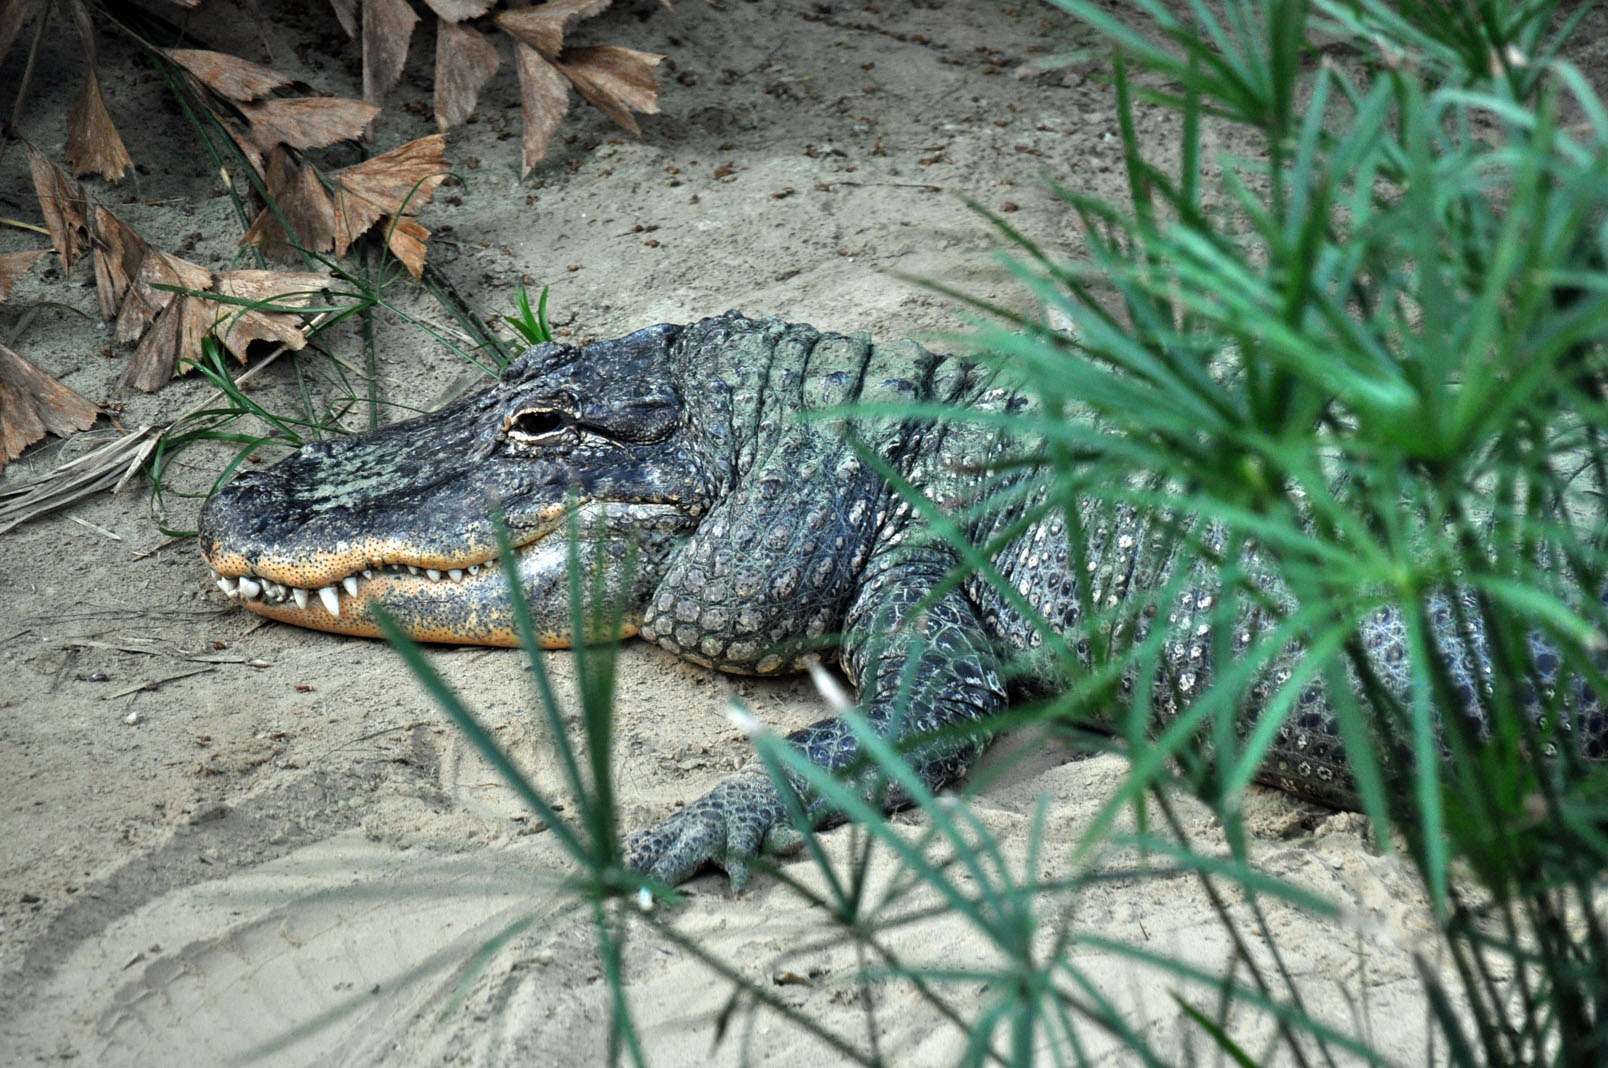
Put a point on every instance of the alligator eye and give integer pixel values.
(535, 425)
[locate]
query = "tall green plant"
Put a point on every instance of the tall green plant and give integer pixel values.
(1361, 371)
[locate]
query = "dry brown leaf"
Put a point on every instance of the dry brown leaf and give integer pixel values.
(346, 12)
(395, 184)
(304, 205)
(119, 251)
(179, 328)
(154, 296)
(289, 289)
(237, 327)
(33, 404)
(544, 97)
(144, 302)
(61, 200)
(241, 139)
(613, 79)
(543, 27)
(93, 146)
(12, 14)
(13, 265)
(405, 238)
(401, 180)
(464, 61)
(312, 122)
(175, 338)
(279, 174)
(458, 10)
(353, 216)
(387, 27)
(230, 76)
(624, 73)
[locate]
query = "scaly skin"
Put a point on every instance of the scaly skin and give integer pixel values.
(762, 540)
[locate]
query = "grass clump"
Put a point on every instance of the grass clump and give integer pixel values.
(1357, 374)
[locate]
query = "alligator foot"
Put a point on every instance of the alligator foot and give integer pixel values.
(740, 819)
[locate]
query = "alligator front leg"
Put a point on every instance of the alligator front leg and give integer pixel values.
(917, 668)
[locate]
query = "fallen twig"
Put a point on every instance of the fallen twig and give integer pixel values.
(151, 684)
(81, 521)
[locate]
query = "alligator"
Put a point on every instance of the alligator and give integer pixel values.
(750, 471)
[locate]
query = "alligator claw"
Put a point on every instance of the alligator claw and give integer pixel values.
(740, 819)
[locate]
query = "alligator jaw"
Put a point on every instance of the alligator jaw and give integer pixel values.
(345, 607)
(468, 604)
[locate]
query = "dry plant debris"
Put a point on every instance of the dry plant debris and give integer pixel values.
(33, 404)
(230, 76)
(159, 300)
(93, 144)
(62, 203)
(386, 190)
(167, 306)
(616, 81)
(107, 466)
(323, 213)
(309, 122)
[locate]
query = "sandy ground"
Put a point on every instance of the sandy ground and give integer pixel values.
(291, 847)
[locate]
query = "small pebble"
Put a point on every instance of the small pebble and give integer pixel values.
(132, 718)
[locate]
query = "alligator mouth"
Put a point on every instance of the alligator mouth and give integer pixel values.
(460, 602)
(251, 589)
(455, 604)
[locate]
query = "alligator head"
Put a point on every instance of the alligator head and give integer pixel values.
(587, 440)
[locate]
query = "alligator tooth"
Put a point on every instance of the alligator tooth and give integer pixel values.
(228, 585)
(250, 588)
(435, 576)
(273, 589)
(300, 595)
(474, 569)
(412, 570)
(455, 574)
(349, 583)
(331, 600)
(368, 572)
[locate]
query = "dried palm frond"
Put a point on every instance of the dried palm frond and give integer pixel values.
(385, 191)
(33, 404)
(161, 301)
(114, 464)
